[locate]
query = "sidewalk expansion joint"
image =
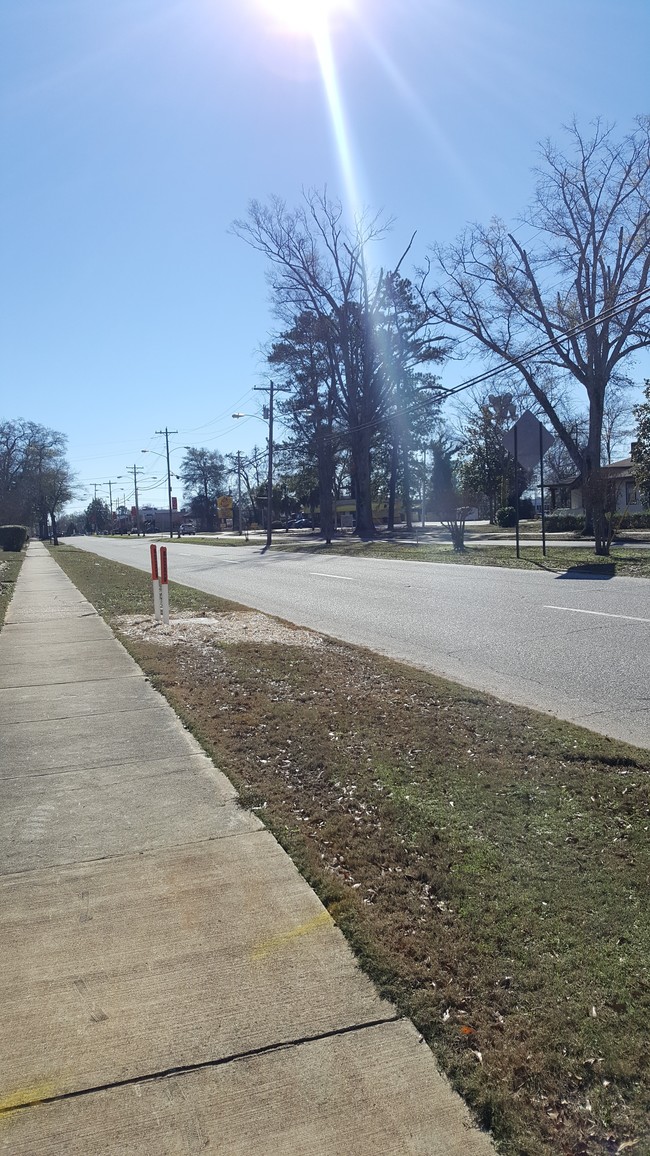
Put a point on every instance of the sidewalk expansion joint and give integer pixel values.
(65, 681)
(187, 1069)
(97, 714)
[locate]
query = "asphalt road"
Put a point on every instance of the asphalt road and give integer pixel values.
(578, 648)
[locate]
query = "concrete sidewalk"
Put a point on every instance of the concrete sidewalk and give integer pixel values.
(169, 982)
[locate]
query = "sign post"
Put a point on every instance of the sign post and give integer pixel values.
(527, 442)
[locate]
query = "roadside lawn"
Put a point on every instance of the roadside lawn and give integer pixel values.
(10, 563)
(625, 561)
(490, 866)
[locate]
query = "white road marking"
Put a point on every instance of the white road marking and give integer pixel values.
(321, 574)
(598, 613)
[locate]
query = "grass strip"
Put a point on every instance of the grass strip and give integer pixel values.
(10, 564)
(622, 562)
(489, 865)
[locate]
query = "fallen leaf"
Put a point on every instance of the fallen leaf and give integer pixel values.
(466, 1030)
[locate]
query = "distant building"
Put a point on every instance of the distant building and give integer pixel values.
(566, 494)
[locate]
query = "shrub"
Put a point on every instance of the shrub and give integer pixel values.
(13, 537)
(638, 521)
(559, 523)
(526, 508)
(506, 516)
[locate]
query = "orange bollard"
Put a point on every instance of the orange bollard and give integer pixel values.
(164, 585)
(153, 551)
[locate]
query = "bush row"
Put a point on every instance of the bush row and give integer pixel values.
(13, 537)
(559, 523)
(635, 521)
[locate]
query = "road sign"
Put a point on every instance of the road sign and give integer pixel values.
(532, 437)
(225, 504)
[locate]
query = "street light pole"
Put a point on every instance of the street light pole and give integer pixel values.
(169, 475)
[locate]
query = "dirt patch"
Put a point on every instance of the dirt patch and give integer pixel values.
(201, 630)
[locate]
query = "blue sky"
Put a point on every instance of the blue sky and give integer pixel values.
(133, 132)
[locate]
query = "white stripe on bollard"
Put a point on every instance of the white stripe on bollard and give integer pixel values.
(164, 585)
(155, 584)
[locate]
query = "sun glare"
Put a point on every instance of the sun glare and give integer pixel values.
(304, 17)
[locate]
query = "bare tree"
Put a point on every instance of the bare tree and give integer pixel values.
(618, 422)
(202, 473)
(581, 297)
(318, 267)
(56, 487)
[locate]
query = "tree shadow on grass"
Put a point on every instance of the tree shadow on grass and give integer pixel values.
(589, 570)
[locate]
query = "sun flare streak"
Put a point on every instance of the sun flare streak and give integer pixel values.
(314, 20)
(325, 52)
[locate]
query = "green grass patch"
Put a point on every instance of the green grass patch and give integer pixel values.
(489, 865)
(165, 540)
(114, 588)
(624, 561)
(628, 562)
(10, 563)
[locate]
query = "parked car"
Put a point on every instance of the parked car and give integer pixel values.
(187, 528)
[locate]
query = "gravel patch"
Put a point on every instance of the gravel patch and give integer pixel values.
(199, 630)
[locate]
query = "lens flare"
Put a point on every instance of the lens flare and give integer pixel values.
(304, 17)
(316, 20)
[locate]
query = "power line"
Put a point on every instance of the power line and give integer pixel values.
(517, 361)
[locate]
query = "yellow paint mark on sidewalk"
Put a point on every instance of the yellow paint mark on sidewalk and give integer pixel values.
(26, 1096)
(269, 945)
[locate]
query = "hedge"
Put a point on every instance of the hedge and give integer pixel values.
(635, 521)
(559, 523)
(13, 538)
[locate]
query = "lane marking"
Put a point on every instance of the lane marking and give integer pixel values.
(597, 613)
(321, 574)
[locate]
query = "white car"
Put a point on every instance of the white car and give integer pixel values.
(187, 528)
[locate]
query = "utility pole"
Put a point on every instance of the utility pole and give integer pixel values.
(424, 487)
(136, 470)
(272, 390)
(167, 432)
(238, 492)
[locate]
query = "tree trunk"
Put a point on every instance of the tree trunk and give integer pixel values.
(360, 449)
(593, 481)
(325, 488)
